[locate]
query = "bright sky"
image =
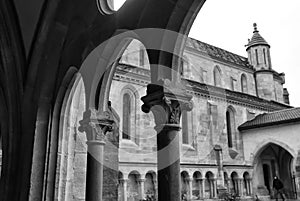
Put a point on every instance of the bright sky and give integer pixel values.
(229, 23)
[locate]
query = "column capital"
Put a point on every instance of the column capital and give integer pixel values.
(166, 100)
(96, 124)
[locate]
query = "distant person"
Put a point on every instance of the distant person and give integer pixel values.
(278, 187)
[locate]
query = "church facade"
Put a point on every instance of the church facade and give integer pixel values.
(227, 91)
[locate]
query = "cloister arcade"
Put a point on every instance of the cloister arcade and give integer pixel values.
(135, 185)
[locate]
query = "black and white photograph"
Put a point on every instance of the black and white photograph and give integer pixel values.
(149, 100)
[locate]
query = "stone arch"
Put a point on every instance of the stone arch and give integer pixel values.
(133, 191)
(150, 185)
(71, 145)
(247, 183)
(59, 13)
(185, 188)
(209, 185)
(135, 55)
(120, 175)
(197, 185)
(260, 147)
(70, 80)
(234, 182)
(272, 159)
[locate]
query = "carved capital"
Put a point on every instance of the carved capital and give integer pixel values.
(96, 124)
(166, 100)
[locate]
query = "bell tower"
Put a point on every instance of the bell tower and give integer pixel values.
(268, 82)
(258, 51)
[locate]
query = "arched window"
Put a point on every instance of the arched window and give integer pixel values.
(217, 76)
(244, 84)
(126, 116)
(230, 122)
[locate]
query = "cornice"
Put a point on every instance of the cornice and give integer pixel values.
(131, 74)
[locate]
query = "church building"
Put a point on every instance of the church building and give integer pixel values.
(100, 104)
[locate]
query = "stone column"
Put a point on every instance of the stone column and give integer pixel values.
(156, 188)
(141, 183)
(250, 187)
(211, 188)
(235, 186)
(166, 100)
(215, 193)
(202, 188)
(95, 126)
(190, 183)
(241, 187)
(123, 187)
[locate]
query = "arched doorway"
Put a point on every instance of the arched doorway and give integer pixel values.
(273, 160)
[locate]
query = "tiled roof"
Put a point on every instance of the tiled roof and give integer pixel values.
(273, 118)
(217, 53)
(256, 39)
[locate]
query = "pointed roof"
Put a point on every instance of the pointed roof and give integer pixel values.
(256, 39)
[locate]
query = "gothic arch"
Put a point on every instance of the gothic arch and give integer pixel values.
(134, 99)
(70, 79)
(71, 143)
(231, 127)
(261, 146)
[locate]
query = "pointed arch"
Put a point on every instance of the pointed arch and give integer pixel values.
(130, 98)
(231, 127)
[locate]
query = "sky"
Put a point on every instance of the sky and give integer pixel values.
(229, 23)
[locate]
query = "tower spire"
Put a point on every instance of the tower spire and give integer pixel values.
(255, 28)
